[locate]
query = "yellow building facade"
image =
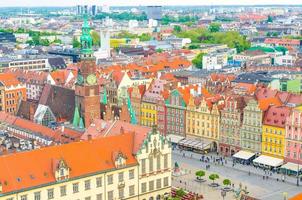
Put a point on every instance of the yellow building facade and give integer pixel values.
(148, 114)
(273, 141)
(202, 121)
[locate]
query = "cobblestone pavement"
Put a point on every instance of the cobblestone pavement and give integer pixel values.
(248, 176)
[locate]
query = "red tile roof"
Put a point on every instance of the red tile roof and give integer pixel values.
(276, 116)
(102, 128)
(33, 168)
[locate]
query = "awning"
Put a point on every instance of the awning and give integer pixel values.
(245, 155)
(268, 161)
(292, 166)
(175, 138)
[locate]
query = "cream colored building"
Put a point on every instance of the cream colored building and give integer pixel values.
(107, 168)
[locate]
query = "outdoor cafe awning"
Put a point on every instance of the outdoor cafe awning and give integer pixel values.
(175, 138)
(292, 167)
(268, 161)
(245, 155)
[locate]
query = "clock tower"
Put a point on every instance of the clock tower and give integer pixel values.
(87, 95)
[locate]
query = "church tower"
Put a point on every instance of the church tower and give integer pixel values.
(87, 95)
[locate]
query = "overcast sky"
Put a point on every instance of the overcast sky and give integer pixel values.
(23, 3)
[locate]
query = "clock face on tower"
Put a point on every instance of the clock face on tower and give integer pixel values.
(91, 79)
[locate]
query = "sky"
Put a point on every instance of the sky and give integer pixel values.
(29, 3)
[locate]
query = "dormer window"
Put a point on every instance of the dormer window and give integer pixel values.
(61, 170)
(119, 160)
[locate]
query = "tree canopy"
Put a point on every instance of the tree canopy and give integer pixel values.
(231, 38)
(226, 182)
(214, 27)
(197, 61)
(213, 177)
(200, 173)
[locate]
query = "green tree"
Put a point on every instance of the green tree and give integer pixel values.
(213, 177)
(159, 50)
(127, 34)
(194, 46)
(180, 193)
(145, 37)
(95, 38)
(177, 29)
(75, 43)
(214, 27)
(197, 61)
(226, 182)
(199, 174)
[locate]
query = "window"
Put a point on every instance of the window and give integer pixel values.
(87, 185)
(99, 182)
(166, 161)
(99, 197)
(50, 194)
(150, 164)
(131, 174)
(144, 187)
(131, 190)
(121, 193)
(37, 195)
(24, 197)
(75, 187)
(110, 179)
(166, 181)
(121, 176)
(158, 163)
(110, 195)
(143, 166)
(63, 190)
(158, 183)
(151, 185)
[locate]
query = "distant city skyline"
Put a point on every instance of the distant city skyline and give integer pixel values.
(61, 3)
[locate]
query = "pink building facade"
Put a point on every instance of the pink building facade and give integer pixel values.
(293, 137)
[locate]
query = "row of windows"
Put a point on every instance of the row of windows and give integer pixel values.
(63, 191)
(151, 163)
(110, 178)
(152, 185)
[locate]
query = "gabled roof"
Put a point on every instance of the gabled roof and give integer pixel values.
(60, 100)
(276, 116)
(35, 168)
(102, 128)
(8, 79)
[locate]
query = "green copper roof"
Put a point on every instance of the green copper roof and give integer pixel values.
(86, 39)
(81, 124)
(76, 117)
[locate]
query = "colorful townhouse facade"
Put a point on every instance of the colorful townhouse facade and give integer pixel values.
(230, 125)
(149, 102)
(202, 119)
(176, 113)
(251, 130)
(136, 94)
(14, 92)
(293, 137)
(273, 131)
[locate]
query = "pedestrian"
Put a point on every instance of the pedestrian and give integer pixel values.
(263, 177)
(249, 173)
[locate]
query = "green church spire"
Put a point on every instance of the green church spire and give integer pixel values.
(86, 39)
(76, 117)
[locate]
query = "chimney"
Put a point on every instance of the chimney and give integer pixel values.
(89, 137)
(122, 131)
(62, 129)
(0, 187)
(199, 90)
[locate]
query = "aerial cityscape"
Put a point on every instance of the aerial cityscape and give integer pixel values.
(157, 100)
